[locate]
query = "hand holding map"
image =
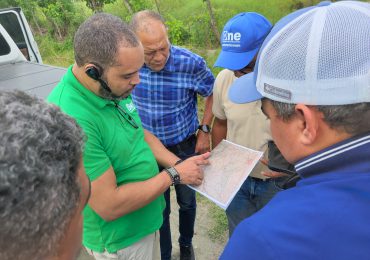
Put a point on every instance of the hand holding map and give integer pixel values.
(230, 165)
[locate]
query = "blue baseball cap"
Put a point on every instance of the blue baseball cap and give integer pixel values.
(306, 59)
(241, 39)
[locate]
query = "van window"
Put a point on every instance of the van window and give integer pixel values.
(4, 46)
(11, 24)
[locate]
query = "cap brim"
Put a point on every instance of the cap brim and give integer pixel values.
(234, 60)
(243, 90)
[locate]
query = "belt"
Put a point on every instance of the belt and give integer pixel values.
(183, 142)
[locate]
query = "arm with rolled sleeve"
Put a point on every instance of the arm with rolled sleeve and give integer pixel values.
(219, 128)
(110, 200)
(204, 80)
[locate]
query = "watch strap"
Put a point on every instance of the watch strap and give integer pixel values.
(204, 128)
(173, 173)
(179, 161)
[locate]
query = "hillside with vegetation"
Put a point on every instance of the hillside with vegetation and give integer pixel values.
(195, 24)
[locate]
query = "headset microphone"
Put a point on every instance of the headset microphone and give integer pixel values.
(95, 73)
(104, 85)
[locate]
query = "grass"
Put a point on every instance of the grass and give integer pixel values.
(57, 53)
(218, 231)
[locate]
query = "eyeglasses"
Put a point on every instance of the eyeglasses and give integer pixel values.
(126, 116)
(247, 69)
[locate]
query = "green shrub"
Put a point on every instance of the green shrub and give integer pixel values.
(53, 52)
(118, 9)
(177, 32)
(138, 5)
(201, 33)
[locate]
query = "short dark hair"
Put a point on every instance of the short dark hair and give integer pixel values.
(98, 39)
(350, 118)
(40, 155)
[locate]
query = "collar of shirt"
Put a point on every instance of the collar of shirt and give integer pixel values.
(348, 156)
(91, 96)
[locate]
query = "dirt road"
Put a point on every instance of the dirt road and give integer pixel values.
(204, 247)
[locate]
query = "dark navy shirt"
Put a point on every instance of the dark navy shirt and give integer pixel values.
(326, 216)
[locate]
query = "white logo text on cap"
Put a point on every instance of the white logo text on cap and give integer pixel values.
(230, 37)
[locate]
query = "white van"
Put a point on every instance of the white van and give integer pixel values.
(20, 60)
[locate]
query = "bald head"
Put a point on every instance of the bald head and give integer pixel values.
(150, 28)
(142, 21)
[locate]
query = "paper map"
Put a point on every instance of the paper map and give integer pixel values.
(230, 165)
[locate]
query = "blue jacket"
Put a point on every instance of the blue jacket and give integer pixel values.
(326, 216)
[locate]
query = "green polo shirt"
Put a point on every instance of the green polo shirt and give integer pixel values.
(111, 141)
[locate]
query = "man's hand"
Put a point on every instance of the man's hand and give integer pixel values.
(273, 174)
(270, 173)
(203, 142)
(190, 170)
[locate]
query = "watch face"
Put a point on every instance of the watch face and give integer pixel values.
(205, 128)
(175, 175)
(176, 179)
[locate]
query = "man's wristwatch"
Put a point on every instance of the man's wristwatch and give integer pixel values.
(204, 128)
(175, 177)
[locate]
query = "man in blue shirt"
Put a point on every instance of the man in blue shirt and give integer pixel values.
(166, 100)
(313, 73)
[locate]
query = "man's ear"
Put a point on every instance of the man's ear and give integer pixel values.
(310, 121)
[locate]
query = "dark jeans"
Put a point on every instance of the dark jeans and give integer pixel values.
(186, 200)
(253, 195)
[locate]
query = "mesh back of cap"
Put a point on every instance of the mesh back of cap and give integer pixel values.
(320, 58)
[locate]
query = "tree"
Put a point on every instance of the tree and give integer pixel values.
(128, 6)
(30, 12)
(97, 5)
(213, 20)
(157, 5)
(138, 5)
(59, 13)
(28, 8)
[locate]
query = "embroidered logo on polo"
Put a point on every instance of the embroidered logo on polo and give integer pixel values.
(130, 107)
(231, 39)
(278, 92)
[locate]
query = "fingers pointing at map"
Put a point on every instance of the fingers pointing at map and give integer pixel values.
(191, 171)
(230, 164)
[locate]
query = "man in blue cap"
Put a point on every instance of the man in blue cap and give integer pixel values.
(313, 72)
(244, 124)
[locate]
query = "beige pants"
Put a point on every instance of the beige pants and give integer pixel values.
(145, 249)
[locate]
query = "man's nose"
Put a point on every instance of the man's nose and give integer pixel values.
(136, 79)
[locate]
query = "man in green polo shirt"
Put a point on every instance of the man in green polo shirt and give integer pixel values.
(120, 157)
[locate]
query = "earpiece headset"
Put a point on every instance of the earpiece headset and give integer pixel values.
(95, 72)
